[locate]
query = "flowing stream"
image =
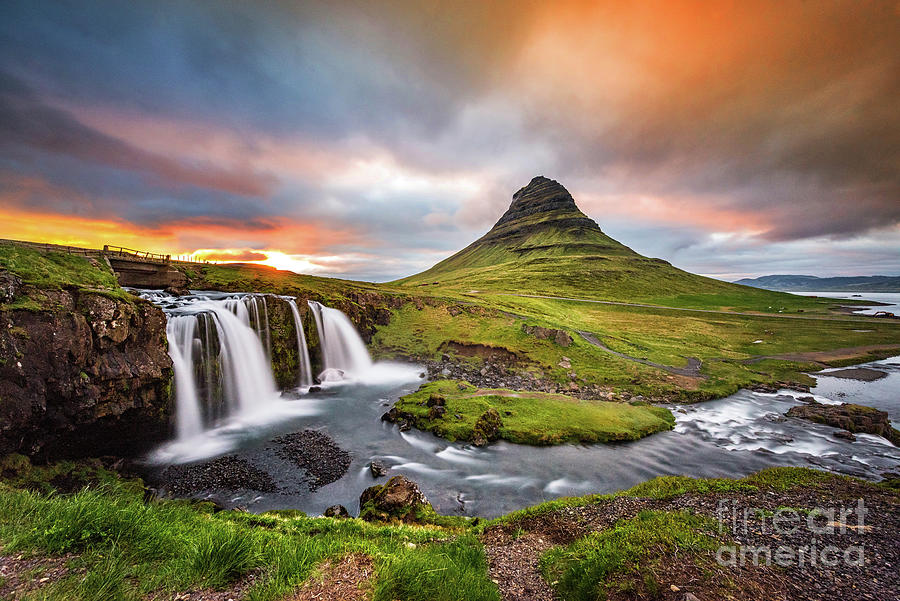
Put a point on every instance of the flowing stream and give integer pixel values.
(728, 437)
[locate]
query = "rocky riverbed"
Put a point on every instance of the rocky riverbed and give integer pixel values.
(314, 451)
(320, 458)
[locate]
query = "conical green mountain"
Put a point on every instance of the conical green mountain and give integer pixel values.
(544, 244)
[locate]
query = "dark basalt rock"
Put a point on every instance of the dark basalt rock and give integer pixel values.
(560, 337)
(774, 388)
(87, 376)
(845, 435)
(436, 400)
(543, 195)
(403, 419)
(398, 498)
(9, 286)
(378, 469)
(847, 416)
(225, 473)
(177, 291)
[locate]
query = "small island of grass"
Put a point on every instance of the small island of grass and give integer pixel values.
(458, 411)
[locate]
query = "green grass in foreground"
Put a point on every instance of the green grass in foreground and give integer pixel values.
(122, 547)
(533, 417)
(624, 558)
(131, 549)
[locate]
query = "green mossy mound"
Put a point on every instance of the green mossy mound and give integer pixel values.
(482, 416)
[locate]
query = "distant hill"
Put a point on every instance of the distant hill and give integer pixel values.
(543, 244)
(811, 283)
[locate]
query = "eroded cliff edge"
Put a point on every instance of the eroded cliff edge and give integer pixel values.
(83, 372)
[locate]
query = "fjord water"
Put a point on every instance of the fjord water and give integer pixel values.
(729, 437)
(888, 301)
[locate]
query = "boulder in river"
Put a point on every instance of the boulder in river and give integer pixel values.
(337, 511)
(850, 417)
(399, 498)
(436, 412)
(378, 469)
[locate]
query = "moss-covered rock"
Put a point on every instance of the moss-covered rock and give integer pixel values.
(850, 417)
(397, 499)
(487, 428)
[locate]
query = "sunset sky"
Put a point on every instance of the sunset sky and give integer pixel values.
(370, 140)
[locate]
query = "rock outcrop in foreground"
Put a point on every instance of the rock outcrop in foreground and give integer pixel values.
(84, 374)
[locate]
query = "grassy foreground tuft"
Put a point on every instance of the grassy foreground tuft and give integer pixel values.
(531, 417)
(622, 559)
(122, 547)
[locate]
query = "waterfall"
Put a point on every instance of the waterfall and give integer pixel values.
(305, 371)
(221, 363)
(188, 418)
(343, 351)
(221, 352)
(247, 373)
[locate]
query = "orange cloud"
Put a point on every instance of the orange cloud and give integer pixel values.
(675, 210)
(184, 237)
(228, 255)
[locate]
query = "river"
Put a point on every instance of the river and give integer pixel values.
(733, 436)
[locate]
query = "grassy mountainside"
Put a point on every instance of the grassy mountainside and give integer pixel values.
(544, 262)
(544, 244)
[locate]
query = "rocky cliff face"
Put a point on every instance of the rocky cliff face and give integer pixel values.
(87, 375)
(366, 310)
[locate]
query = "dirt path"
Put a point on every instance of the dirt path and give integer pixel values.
(345, 579)
(21, 575)
(714, 311)
(692, 370)
(514, 549)
(514, 553)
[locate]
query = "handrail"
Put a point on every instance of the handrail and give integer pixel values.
(108, 251)
(121, 251)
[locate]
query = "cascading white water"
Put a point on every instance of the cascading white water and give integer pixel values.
(224, 386)
(248, 376)
(188, 416)
(218, 356)
(343, 351)
(304, 378)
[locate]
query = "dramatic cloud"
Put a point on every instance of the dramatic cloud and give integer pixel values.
(369, 140)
